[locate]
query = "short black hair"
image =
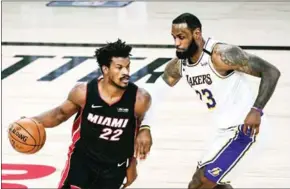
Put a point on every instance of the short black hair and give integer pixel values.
(105, 54)
(191, 20)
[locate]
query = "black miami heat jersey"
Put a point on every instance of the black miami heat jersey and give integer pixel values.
(107, 131)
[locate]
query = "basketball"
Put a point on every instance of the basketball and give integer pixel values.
(26, 135)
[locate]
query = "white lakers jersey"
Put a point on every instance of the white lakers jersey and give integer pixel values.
(228, 97)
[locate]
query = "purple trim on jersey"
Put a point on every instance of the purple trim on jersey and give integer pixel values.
(224, 162)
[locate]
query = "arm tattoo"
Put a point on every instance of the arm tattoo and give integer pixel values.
(239, 60)
(236, 57)
(172, 72)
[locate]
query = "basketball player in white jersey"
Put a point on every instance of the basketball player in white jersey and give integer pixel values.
(216, 72)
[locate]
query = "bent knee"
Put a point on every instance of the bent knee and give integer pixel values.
(199, 179)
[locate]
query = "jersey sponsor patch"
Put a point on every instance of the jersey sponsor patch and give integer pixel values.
(124, 110)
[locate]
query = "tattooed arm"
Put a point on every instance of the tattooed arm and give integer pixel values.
(74, 102)
(172, 72)
(234, 58)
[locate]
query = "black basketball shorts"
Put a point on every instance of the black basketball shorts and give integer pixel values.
(80, 173)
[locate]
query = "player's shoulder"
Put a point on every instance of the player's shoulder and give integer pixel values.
(143, 101)
(142, 95)
(78, 93)
(220, 47)
(80, 87)
(140, 90)
(84, 87)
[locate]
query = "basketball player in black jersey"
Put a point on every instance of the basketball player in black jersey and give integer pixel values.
(110, 111)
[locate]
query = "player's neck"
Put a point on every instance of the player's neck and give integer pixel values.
(109, 90)
(198, 53)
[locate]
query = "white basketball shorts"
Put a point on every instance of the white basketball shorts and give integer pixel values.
(231, 152)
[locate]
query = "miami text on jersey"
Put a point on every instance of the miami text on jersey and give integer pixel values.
(107, 121)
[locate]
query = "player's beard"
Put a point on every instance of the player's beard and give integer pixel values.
(118, 86)
(189, 52)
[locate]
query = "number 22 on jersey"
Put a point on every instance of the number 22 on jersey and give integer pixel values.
(110, 134)
(205, 94)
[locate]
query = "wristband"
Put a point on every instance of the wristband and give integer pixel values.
(259, 110)
(144, 127)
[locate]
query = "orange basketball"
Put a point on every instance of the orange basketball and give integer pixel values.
(27, 135)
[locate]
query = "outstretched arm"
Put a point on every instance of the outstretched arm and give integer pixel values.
(172, 74)
(237, 59)
(64, 111)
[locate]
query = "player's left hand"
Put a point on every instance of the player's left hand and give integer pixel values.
(131, 173)
(252, 122)
(143, 144)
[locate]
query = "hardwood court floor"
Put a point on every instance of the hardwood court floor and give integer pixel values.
(182, 129)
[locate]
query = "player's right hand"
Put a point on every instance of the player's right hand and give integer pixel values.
(143, 144)
(252, 123)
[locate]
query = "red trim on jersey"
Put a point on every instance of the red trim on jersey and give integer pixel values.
(76, 123)
(76, 135)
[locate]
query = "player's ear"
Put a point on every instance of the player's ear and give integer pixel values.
(105, 69)
(196, 33)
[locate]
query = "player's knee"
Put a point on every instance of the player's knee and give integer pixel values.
(199, 180)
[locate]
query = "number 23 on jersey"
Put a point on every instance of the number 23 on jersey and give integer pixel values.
(206, 94)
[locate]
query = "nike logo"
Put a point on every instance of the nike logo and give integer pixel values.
(120, 164)
(93, 106)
